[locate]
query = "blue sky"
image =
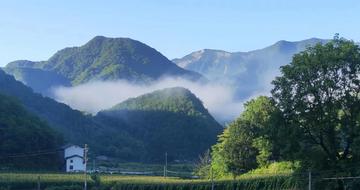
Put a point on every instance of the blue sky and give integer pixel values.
(36, 29)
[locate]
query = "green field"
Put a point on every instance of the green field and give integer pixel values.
(19, 181)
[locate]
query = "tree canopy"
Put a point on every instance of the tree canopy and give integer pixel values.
(318, 94)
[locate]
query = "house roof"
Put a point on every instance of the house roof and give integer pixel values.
(75, 155)
(70, 145)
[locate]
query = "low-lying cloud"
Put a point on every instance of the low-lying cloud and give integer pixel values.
(93, 97)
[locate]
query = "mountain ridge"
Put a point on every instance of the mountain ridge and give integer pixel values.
(104, 59)
(248, 72)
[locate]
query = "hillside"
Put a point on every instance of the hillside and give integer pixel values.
(171, 120)
(248, 72)
(39, 80)
(21, 133)
(74, 126)
(105, 59)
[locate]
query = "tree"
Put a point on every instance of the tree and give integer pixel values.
(318, 94)
(249, 141)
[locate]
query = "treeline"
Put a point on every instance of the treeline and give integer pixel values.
(310, 122)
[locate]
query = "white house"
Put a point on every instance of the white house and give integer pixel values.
(74, 158)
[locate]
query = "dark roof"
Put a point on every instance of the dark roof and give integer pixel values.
(74, 156)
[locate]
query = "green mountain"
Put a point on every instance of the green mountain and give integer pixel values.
(103, 59)
(248, 72)
(71, 123)
(172, 120)
(22, 134)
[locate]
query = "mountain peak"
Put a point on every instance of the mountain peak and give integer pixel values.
(104, 58)
(175, 99)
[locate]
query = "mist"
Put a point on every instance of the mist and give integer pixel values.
(95, 96)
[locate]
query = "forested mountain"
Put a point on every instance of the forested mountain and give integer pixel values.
(39, 80)
(72, 124)
(22, 134)
(177, 117)
(172, 120)
(248, 72)
(101, 59)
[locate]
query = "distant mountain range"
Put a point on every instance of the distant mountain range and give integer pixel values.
(100, 59)
(248, 72)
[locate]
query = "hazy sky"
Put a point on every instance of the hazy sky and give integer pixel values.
(36, 29)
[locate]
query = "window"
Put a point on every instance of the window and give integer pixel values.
(71, 167)
(71, 161)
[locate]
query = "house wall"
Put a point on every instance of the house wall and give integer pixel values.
(74, 163)
(77, 164)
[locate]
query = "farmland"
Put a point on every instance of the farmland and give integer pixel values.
(60, 181)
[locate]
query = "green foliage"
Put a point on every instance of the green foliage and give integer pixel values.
(318, 94)
(21, 135)
(284, 167)
(249, 141)
(203, 166)
(264, 147)
(171, 120)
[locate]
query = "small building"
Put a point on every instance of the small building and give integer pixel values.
(74, 158)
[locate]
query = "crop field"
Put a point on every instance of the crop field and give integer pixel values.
(53, 181)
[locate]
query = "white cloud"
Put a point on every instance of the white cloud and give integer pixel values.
(96, 96)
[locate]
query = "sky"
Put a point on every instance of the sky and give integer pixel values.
(36, 29)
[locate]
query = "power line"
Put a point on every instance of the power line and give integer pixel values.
(31, 154)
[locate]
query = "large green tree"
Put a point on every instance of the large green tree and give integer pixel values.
(318, 93)
(251, 140)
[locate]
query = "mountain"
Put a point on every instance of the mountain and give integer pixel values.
(71, 123)
(248, 72)
(102, 59)
(39, 80)
(134, 130)
(171, 120)
(22, 133)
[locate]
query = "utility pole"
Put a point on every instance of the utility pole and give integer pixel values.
(212, 178)
(211, 174)
(166, 163)
(38, 183)
(85, 163)
(309, 180)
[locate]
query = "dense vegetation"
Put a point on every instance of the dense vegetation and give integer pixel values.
(101, 59)
(171, 120)
(73, 125)
(311, 122)
(190, 130)
(25, 139)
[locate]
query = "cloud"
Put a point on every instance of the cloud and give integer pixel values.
(93, 97)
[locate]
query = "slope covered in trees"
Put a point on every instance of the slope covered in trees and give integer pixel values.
(171, 120)
(73, 125)
(22, 134)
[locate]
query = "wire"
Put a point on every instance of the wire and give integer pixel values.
(32, 154)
